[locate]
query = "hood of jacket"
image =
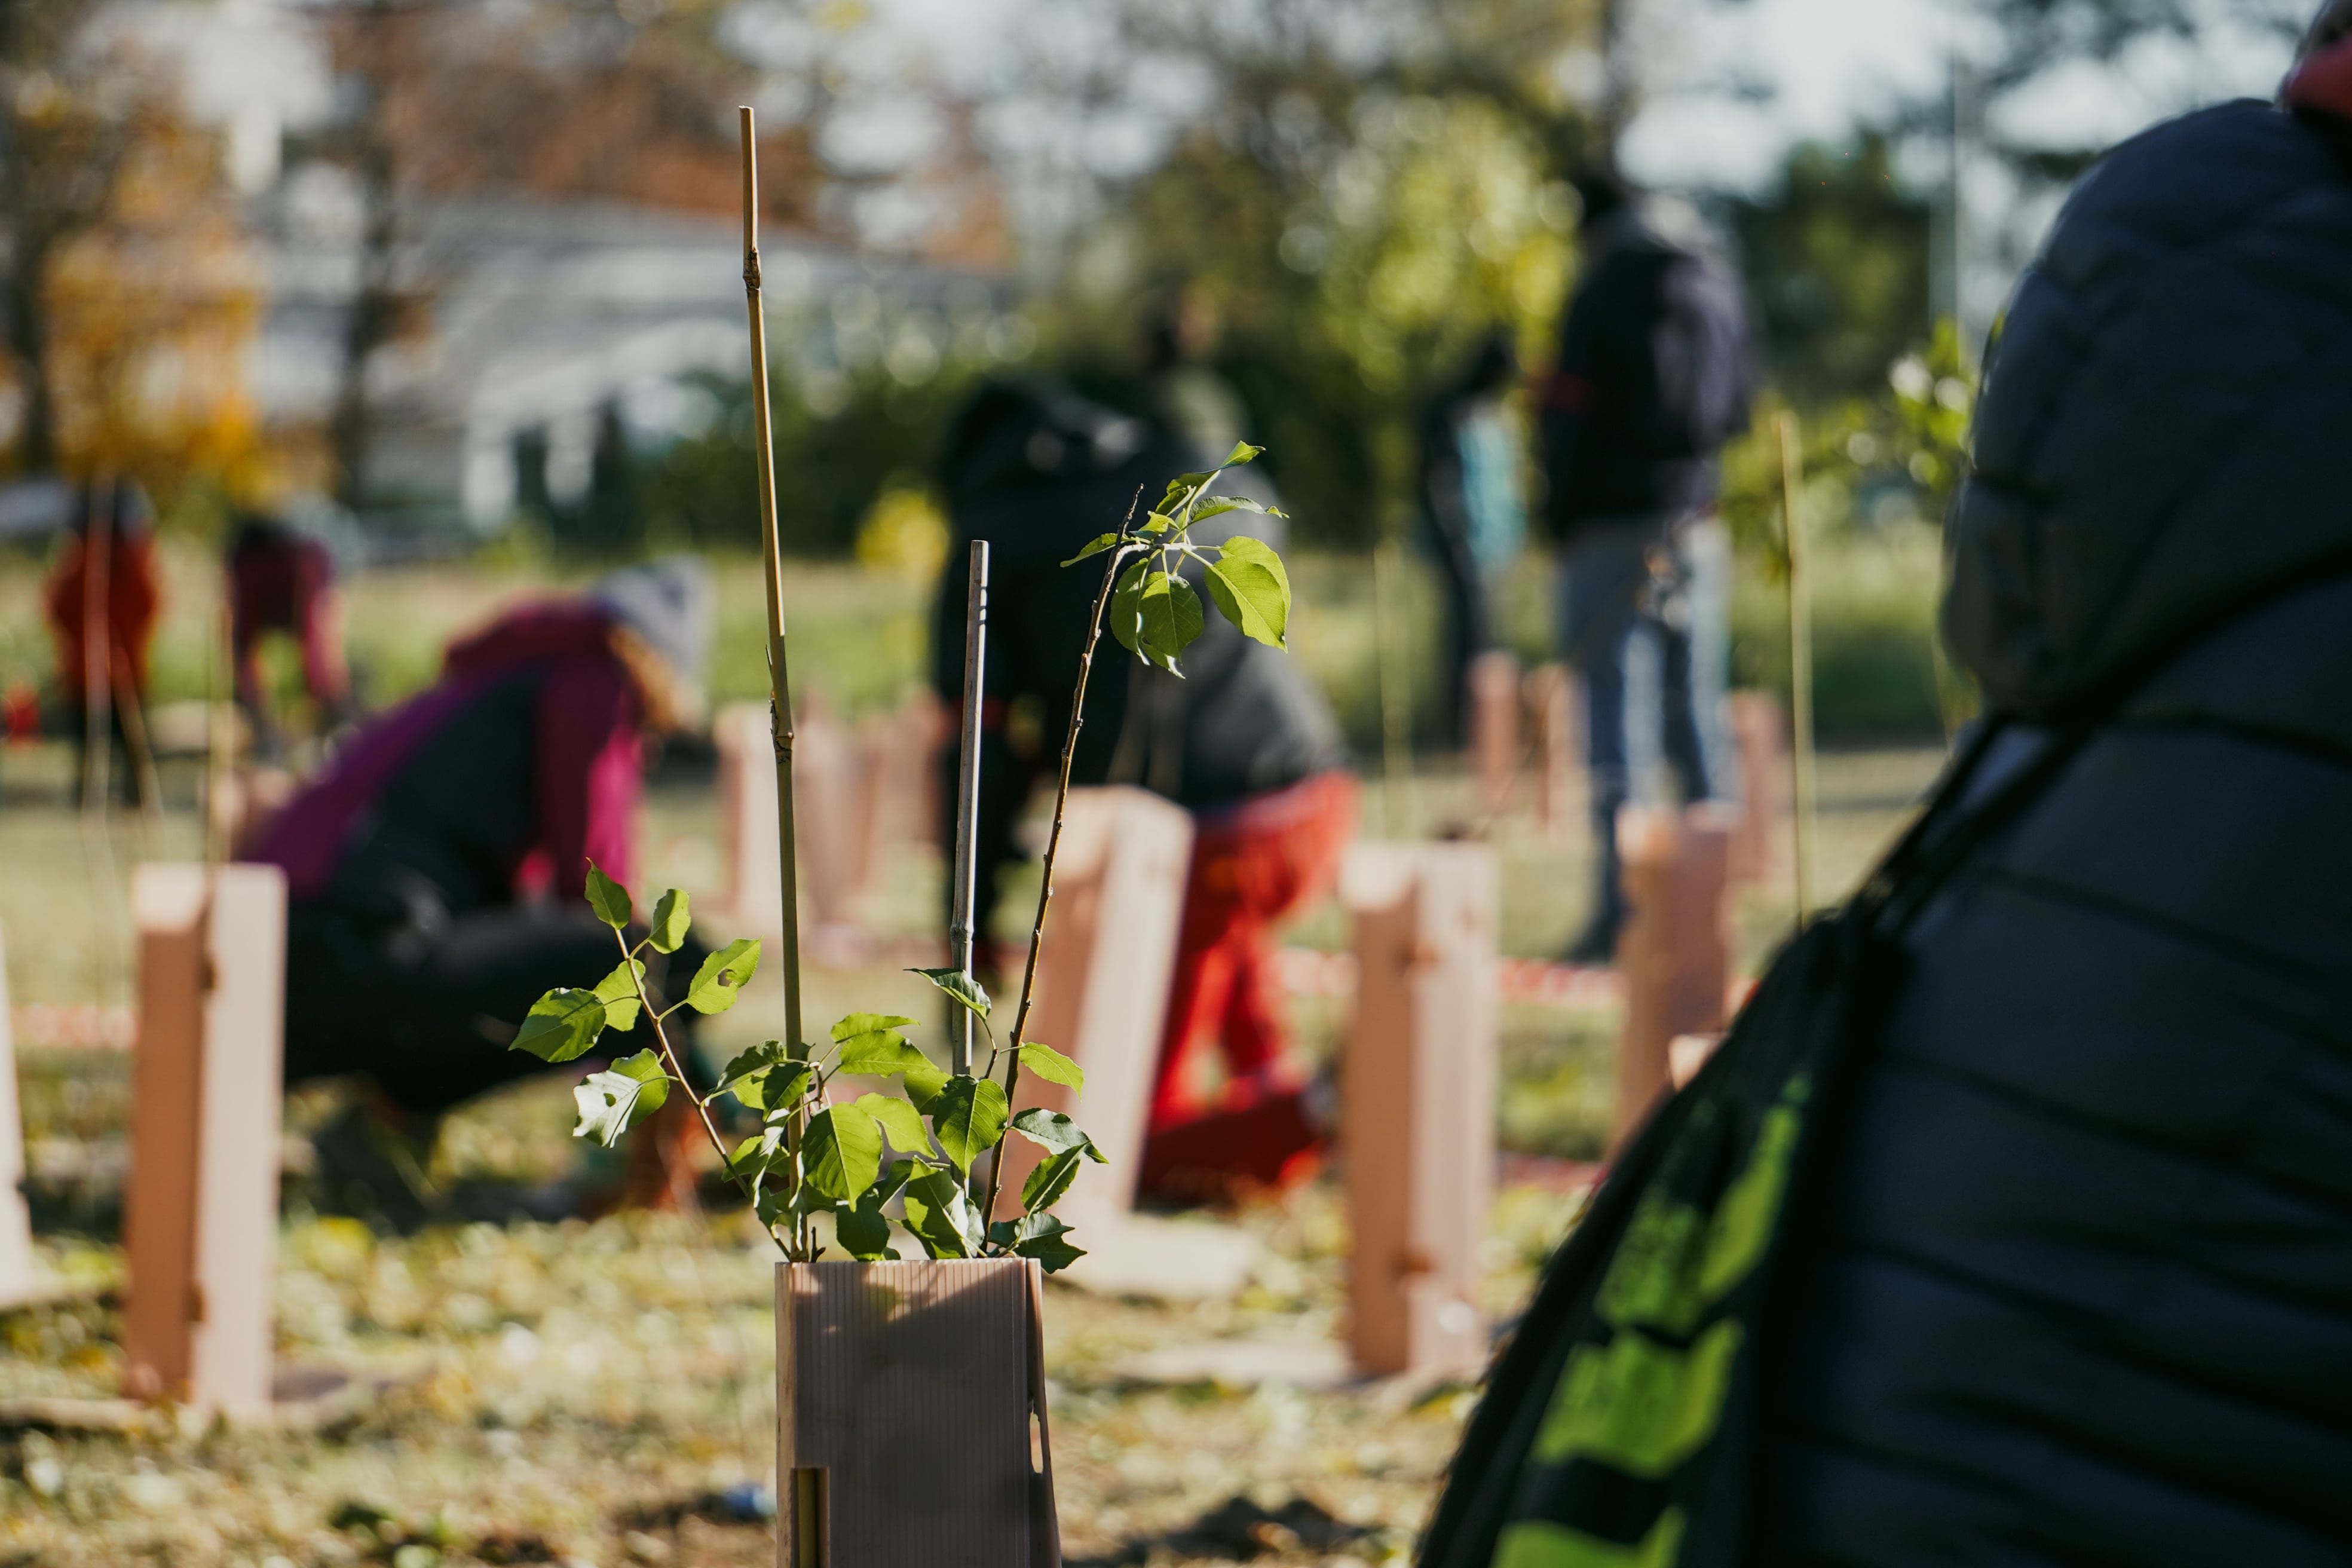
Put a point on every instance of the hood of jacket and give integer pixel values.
(2160, 442)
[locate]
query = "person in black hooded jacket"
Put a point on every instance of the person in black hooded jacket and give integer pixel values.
(2083, 1294)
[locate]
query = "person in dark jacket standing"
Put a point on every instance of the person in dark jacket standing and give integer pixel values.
(1652, 377)
(1243, 741)
(282, 580)
(2085, 1291)
(435, 870)
(1473, 516)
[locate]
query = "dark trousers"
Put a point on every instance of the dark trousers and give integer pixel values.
(427, 1009)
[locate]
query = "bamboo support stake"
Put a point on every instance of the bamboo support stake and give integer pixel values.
(780, 688)
(963, 919)
(1801, 664)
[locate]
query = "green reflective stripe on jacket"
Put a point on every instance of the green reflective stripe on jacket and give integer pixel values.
(1538, 1543)
(1747, 1218)
(1653, 1280)
(1637, 1406)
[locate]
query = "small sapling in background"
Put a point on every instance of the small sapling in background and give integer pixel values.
(819, 1151)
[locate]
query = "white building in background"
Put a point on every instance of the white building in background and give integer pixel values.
(536, 316)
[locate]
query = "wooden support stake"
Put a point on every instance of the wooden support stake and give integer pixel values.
(1675, 952)
(201, 1213)
(779, 686)
(1418, 1097)
(1494, 727)
(1102, 985)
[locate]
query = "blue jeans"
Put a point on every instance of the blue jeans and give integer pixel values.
(1645, 609)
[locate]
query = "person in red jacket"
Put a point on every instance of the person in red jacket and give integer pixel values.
(436, 871)
(108, 559)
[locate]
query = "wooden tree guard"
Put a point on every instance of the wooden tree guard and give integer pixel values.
(201, 1214)
(1561, 794)
(1675, 951)
(1495, 726)
(1102, 985)
(1759, 840)
(911, 1416)
(1418, 1098)
(17, 1282)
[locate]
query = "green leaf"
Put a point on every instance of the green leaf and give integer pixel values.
(876, 1049)
(1170, 617)
(1216, 505)
(924, 1086)
(723, 976)
(1157, 523)
(1250, 586)
(670, 922)
(768, 1077)
(898, 1119)
(968, 1118)
(841, 1152)
(756, 1156)
(958, 985)
(1243, 452)
(1101, 543)
(1127, 607)
(1038, 1236)
(608, 899)
(939, 1213)
(1045, 1062)
(1182, 486)
(618, 992)
(612, 1101)
(1050, 1180)
(560, 1024)
(1052, 1129)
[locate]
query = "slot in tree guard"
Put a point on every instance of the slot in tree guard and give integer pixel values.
(1417, 1093)
(1675, 952)
(201, 1214)
(911, 1416)
(1102, 985)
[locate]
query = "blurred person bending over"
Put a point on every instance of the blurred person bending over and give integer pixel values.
(1243, 741)
(108, 565)
(282, 581)
(1653, 378)
(2069, 1277)
(436, 871)
(1474, 517)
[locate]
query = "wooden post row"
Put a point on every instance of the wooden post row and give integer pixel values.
(16, 1278)
(201, 1214)
(1495, 726)
(1675, 951)
(1418, 1097)
(1102, 985)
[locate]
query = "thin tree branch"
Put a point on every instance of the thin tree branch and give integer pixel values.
(1053, 849)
